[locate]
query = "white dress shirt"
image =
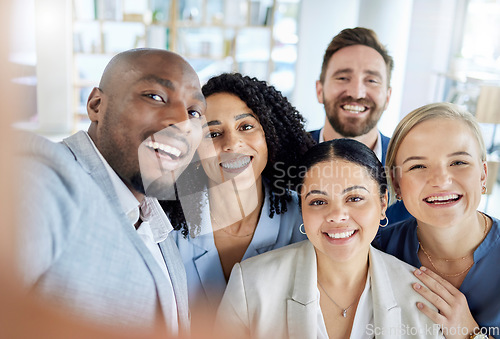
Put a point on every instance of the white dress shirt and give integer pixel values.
(155, 228)
(362, 318)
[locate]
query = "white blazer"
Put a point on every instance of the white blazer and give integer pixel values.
(274, 295)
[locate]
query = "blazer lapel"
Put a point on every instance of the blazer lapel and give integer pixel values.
(386, 312)
(85, 154)
(302, 306)
(178, 278)
(211, 277)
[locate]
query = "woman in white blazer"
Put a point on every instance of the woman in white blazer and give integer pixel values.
(334, 285)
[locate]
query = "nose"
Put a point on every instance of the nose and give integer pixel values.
(337, 214)
(231, 141)
(440, 176)
(356, 88)
(177, 117)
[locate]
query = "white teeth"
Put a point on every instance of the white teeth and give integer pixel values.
(236, 163)
(342, 235)
(442, 198)
(354, 108)
(165, 148)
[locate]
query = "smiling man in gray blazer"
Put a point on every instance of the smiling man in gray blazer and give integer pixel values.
(94, 238)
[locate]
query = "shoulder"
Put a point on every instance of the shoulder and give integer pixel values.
(315, 134)
(393, 265)
(281, 259)
(394, 233)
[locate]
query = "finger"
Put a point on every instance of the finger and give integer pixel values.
(432, 314)
(424, 275)
(435, 299)
(445, 283)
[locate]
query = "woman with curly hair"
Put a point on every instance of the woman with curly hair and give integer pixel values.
(249, 152)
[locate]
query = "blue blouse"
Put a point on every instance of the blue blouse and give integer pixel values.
(205, 277)
(482, 282)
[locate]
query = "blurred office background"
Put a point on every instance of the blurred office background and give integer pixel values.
(444, 50)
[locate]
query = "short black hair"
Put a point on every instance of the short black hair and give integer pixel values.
(348, 150)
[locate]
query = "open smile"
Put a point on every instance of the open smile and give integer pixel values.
(443, 199)
(236, 165)
(354, 109)
(170, 151)
(339, 237)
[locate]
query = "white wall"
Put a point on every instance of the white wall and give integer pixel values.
(54, 69)
(319, 21)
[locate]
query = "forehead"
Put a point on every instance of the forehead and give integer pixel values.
(439, 136)
(145, 68)
(336, 174)
(357, 57)
(225, 105)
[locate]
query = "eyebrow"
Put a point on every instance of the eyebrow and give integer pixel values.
(238, 117)
(157, 80)
(350, 70)
(454, 154)
(347, 190)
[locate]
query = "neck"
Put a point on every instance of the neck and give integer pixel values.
(350, 275)
(238, 208)
(369, 139)
(453, 241)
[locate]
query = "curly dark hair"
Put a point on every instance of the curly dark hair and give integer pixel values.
(286, 139)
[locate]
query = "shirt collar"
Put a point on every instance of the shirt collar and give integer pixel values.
(128, 202)
(377, 149)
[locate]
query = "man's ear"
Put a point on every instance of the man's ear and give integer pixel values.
(319, 91)
(94, 104)
(389, 92)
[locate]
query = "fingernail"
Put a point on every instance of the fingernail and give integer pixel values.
(423, 268)
(417, 286)
(418, 272)
(420, 305)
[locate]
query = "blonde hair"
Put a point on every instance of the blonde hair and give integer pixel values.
(441, 110)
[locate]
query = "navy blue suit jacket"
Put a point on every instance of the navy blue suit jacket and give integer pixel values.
(397, 211)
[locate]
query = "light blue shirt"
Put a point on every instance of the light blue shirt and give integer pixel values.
(205, 277)
(481, 283)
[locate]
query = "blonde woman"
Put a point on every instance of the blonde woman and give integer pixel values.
(437, 163)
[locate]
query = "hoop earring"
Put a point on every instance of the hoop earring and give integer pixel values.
(484, 189)
(302, 229)
(386, 222)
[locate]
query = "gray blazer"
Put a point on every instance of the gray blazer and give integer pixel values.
(275, 295)
(79, 249)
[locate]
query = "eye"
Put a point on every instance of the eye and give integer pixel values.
(246, 127)
(212, 134)
(458, 162)
(317, 202)
(194, 114)
(341, 78)
(354, 199)
(416, 167)
(155, 97)
(373, 81)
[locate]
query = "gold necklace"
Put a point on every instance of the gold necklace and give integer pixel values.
(224, 229)
(448, 260)
(344, 310)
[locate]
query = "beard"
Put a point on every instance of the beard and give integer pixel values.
(352, 126)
